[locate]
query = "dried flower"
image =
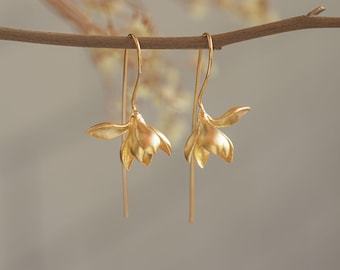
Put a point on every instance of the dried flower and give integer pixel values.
(206, 138)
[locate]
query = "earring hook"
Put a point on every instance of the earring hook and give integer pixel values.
(198, 102)
(139, 59)
(205, 82)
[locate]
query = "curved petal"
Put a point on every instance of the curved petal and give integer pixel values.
(147, 138)
(147, 158)
(165, 144)
(201, 155)
(214, 140)
(107, 130)
(225, 150)
(190, 143)
(218, 145)
(230, 117)
(231, 151)
(125, 154)
(135, 149)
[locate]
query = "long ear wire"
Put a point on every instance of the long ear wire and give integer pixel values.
(198, 102)
(133, 105)
(194, 123)
(139, 59)
(207, 75)
(124, 170)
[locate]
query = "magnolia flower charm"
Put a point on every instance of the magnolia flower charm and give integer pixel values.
(141, 142)
(206, 138)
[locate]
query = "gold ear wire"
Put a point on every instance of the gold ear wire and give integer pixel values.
(198, 102)
(124, 170)
(194, 120)
(207, 75)
(205, 137)
(133, 105)
(139, 59)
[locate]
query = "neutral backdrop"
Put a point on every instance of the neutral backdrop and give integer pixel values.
(275, 207)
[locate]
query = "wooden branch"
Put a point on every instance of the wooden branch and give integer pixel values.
(195, 42)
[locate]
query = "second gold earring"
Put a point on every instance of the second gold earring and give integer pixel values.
(206, 138)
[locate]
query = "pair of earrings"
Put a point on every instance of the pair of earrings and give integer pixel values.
(141, 141)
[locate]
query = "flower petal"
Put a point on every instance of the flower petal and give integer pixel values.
(147, 138)
(190, 143)
(147, 158)
(226, 150)
(201, 155)
(214, 140)
(230, 117)
(165, 144)
(135, 149)
(218, 145)
(125, 154)
(107, 130)
(231, 151)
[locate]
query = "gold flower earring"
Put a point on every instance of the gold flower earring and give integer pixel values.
(205, 137)
(142, 140)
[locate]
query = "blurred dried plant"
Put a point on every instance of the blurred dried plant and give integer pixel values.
(161, 79)
(253, 11)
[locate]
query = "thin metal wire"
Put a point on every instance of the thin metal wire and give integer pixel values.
(124, 171)
(205, 82)
(139, 58)
(198, 102)
(194, 122)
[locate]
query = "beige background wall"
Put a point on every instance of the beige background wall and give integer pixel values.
(275, 207)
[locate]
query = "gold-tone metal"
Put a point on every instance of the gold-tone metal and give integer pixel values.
(141, 141)
(207, 75)
(194, 121)
(206, 138)
(124, 171)
(139, 62)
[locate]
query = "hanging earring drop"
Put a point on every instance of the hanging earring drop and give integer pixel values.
(142, 141)
(205, 137)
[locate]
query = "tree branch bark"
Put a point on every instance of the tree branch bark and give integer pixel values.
(194, 42)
